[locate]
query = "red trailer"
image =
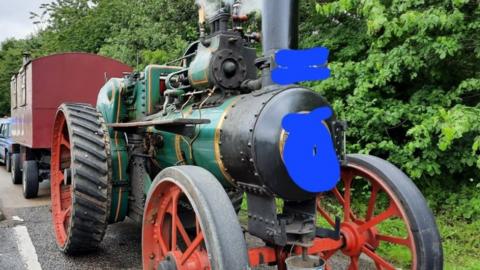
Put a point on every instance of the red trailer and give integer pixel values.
(37, 91)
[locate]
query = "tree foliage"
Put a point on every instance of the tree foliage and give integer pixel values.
(406, 76)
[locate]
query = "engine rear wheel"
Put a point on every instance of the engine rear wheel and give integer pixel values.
(384, 217)
(216, 241)
(80, 178)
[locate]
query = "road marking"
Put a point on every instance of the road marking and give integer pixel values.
(26, 248)
(17, 218)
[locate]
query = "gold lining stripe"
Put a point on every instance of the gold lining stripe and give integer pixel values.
(205, 80)
(178, 148)
(119, 158)
(281, 142)
(119, 203)
(149, 109)
(216, 144)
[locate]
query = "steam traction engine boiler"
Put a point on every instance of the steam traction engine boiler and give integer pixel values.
(176, 147)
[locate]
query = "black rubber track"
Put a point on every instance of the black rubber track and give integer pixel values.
(421, 220)
(91, 177)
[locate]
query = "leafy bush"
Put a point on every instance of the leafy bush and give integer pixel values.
(406, 75)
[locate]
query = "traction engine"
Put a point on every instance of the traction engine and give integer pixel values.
(179, 146)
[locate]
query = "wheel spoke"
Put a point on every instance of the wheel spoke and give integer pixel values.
(341, 200)
(353, 263)
(175, 196)
(347, 177)
(391, 211)
(394, 240)
(371, 202)
(377, 259)
(183, 232)
(189, 251)
(58, 177)
(161, 241)
(347, 213)
(325, 215)
(338, 196)
(65, 142)
(66, 213)
(328, 254)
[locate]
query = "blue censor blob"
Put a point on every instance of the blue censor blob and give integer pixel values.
(309, 153)
(300, 65)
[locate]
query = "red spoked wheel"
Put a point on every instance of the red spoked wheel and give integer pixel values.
(189, 223)
(80, 178)
(60, 189)
(386, 222)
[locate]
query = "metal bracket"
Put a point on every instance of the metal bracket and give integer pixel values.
(256, 189)
(327, 233)
(339, 134)
(262, 219)
(295, 226)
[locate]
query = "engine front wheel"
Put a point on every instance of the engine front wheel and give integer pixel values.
(80, 178)
(384, 218)
(189, 223)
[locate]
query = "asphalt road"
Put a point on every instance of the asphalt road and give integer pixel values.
(27, 241)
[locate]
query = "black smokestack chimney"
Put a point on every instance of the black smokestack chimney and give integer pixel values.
(279, 25)
(279, 31)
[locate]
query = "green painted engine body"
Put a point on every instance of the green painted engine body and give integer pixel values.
(240, 144)
(135, 99)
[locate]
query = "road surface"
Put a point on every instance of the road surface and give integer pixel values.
(27, 241)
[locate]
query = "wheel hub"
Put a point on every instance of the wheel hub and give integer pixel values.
(168, 263)
(355, 240)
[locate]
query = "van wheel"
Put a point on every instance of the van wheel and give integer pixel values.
(16, 169)
(8, 162)
(30, 179)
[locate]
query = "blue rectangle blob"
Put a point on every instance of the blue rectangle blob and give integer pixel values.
(309, 151)
(302, 58)
(295, 66)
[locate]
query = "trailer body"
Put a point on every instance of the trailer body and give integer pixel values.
(45, 83)
(37, 91)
